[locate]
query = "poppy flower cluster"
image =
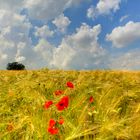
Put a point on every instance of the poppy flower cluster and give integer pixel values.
(61, 105)
(51, 128)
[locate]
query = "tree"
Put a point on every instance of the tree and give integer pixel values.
(15, 66)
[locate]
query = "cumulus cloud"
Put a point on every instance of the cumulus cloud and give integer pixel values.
(14, 27)
(8, 18)
(62, 56)
(45, 49)
(3, 56)
(129, 60)
(39, 9)
(80, 50)
(19, 57)
(48, 9)
(17, 45)
(11, 5)
(61, 22)
(15, 41)
(43, 32)
(106, 6)
(92, 12)
(103, 7)
(123, 35)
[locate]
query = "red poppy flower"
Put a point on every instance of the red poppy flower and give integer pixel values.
(52, 130)
(61, 121)
(70, 85)
(63, 103)
(48, 104)
(59, 92)
(91, 99)
(52, 123)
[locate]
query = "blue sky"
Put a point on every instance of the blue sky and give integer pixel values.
(70, 34)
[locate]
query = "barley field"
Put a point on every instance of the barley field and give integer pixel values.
(100, 105)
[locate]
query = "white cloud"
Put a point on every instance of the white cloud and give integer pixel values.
(85, 37)
(45, 49)
(16, 45)
(123, 18)
(3, 56)
(106, 6)
(123, 35)
(77, 51)
(61, 22)
(39, 9)
(18, 56)
(48, 9)
(14, 31)
(126, 61)
(103, 7)
(92, 12)
(43, 54)
(43, 32)
(11, 5)
(80, 50)
(8, 18)
(13, 26)
(62, 56)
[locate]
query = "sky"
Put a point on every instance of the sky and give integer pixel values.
(70, 34)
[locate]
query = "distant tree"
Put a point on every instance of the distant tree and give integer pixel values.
(15, 66)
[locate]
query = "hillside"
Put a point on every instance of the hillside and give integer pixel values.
(103, 105)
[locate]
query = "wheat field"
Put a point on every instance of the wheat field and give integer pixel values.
(113, 115)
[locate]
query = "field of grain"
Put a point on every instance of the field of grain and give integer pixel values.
(114, 113)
